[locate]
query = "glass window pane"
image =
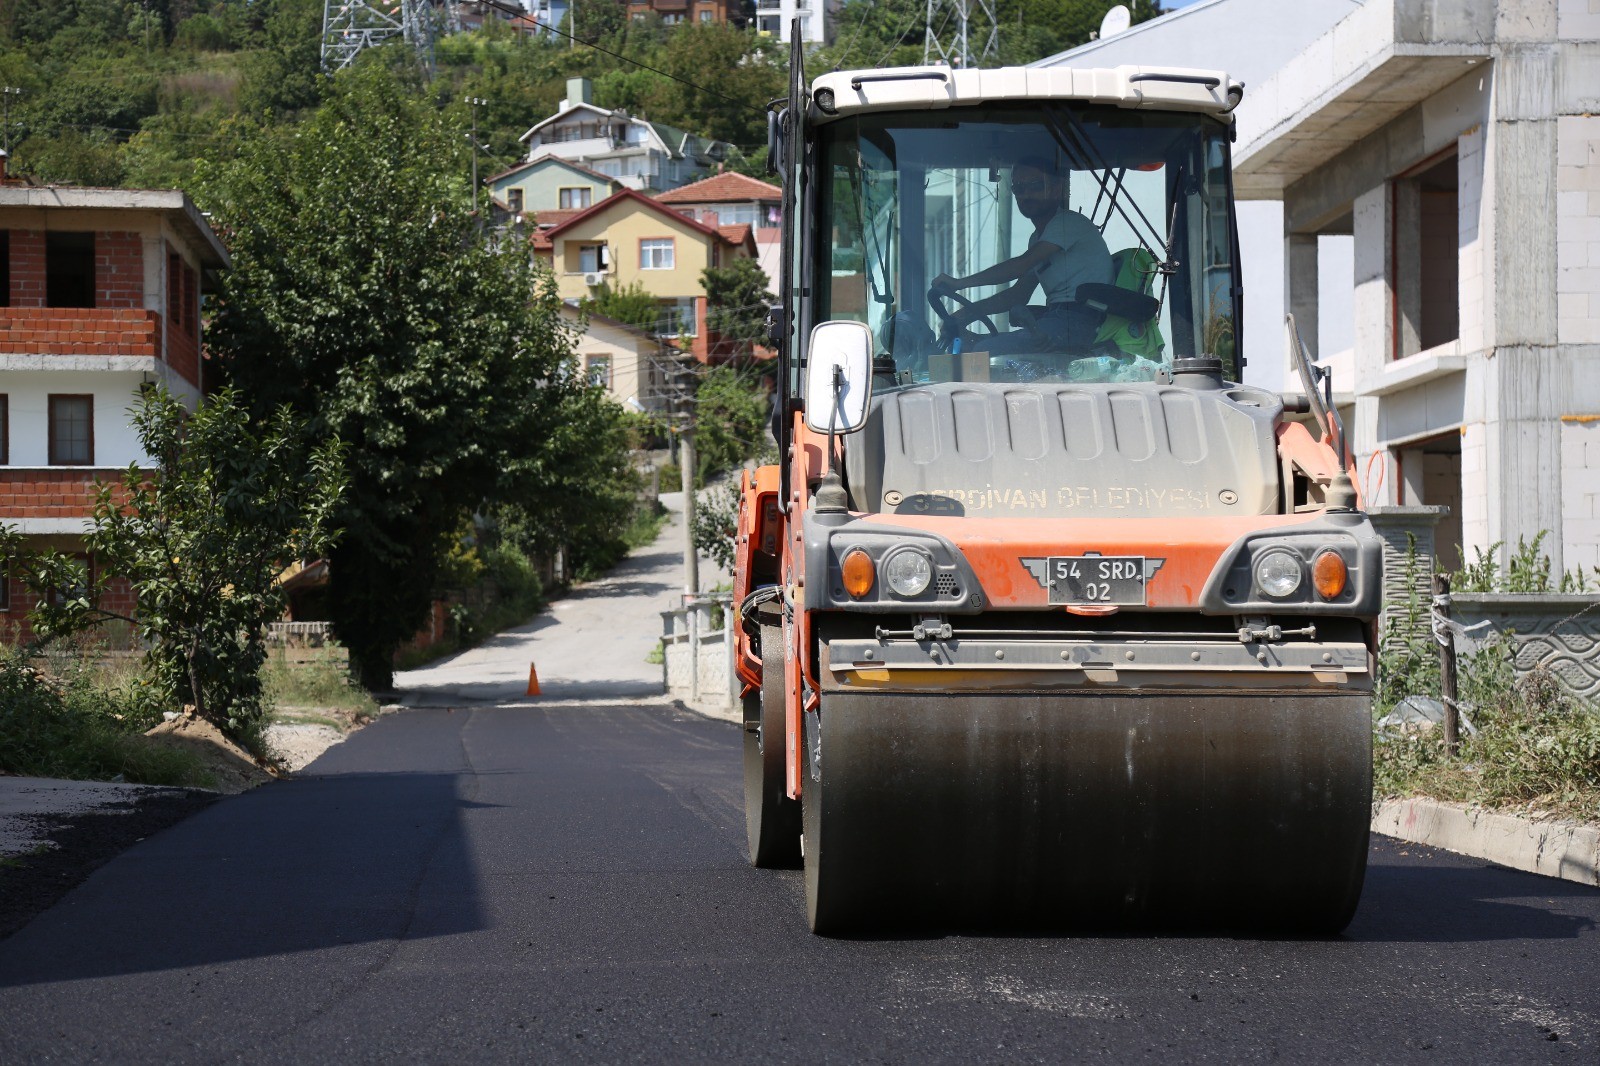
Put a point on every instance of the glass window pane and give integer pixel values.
(71, 430)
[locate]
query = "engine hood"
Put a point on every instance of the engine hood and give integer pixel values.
(1056, 450)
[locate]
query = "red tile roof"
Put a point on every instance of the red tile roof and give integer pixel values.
(734, 234)
(722, 188)
(629, 194)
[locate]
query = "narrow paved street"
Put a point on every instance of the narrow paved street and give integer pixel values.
(564, 879)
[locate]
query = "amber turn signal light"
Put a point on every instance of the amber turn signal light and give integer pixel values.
(859, 573)
(1330, 575)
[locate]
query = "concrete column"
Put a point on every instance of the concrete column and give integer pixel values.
(1411, 484)
(1406, 244)
(1300, 283)
(1371, 307)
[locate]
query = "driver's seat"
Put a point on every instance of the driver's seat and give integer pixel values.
(1130, 325)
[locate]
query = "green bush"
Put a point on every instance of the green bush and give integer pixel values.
(85, 725)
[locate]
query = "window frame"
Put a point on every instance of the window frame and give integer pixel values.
(597, 362)
(5, 429)
(671, 249)
(580, 192)
(50, 405)
(515, 198)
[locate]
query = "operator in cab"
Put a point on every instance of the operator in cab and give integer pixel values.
(1065, 250)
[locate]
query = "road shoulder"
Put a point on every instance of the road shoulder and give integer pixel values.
(1567, 850)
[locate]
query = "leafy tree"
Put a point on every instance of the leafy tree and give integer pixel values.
(630, 304)
(730, 413)
(202, 540)
(365, 297)
(737, 302)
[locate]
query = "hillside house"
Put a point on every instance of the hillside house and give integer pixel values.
(737, 200)
(638, 153)
(630, 363)
(100, 297)
(630, 239)
(673, 12)
(549, 184)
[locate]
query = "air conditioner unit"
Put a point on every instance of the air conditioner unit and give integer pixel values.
(593, 278)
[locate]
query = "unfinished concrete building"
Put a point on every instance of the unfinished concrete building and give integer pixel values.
(1459, 143)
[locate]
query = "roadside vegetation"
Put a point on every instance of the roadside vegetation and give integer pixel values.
(1532, 747)
(76, 714)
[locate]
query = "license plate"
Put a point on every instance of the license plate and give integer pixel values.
(1097, 579)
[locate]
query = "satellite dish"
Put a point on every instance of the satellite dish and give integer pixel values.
(1116, 20)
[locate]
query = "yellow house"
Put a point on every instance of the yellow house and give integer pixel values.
(629, 239)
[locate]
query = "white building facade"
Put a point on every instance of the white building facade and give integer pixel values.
(1459, 144)
(816, 19)
(640, 154)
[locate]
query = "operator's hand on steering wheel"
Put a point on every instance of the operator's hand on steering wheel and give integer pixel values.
(944, 285)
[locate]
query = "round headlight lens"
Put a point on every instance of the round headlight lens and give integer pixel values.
(1279, 573)
(908, 572)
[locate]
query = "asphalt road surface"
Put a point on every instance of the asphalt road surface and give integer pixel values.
(553, 883)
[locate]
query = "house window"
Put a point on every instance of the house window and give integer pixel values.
(678, 319)
(514, 199)
(5, 432)
(656, 253)
(59, 595)
(705, 16)
(573, 199)
(599, 371)
(69, 269)
(1426, 257)
(592, 258)
(71, 430)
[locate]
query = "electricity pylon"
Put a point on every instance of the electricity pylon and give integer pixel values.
(962, 33)
(348, 26)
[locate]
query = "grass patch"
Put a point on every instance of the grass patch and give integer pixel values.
(74, 717)
(1536, 750)
(312, 678)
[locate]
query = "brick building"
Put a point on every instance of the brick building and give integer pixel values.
(100, 296)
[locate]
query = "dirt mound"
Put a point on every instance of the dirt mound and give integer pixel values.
(235, 769)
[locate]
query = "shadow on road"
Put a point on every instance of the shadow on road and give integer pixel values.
(329, 860)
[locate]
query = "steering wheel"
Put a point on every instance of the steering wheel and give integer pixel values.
(947, 318)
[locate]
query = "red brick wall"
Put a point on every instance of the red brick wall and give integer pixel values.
(77, 330)
(118, 599)
(118, 269)
(27, 268)
(65, 493)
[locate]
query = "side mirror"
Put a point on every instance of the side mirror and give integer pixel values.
(838, 403)
(775, 144)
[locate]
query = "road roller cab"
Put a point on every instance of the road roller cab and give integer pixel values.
(1045, 617)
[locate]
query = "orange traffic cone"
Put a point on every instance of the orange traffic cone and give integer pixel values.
(533, 680)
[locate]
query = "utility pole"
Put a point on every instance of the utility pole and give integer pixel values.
(476, 102)
(6, 94)
(691, 561)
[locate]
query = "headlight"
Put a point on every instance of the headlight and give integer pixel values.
(907, 572)
(1279, 573)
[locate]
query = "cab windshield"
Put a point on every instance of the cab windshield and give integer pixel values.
(1052, 243)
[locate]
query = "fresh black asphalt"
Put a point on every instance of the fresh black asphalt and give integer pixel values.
(568, 883)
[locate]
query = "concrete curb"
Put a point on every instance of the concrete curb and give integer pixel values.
(1568, 850)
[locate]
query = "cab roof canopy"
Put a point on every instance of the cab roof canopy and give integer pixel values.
(849, 92)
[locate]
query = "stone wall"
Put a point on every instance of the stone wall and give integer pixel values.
(1560, 633)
